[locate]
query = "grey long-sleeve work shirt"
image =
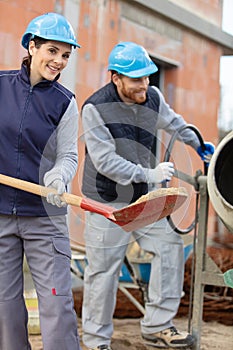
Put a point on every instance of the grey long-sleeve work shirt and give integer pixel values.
(101, 145)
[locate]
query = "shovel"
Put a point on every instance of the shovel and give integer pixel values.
(146, 210)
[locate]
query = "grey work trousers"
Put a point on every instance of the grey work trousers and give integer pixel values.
(106, 245)
(45, 243)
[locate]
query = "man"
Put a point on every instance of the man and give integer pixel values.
(120, 122)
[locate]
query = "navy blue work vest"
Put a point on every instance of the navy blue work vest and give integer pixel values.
(133, 130)
(28, 121)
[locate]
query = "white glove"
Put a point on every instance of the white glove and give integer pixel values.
(53, 198)
(163, 172)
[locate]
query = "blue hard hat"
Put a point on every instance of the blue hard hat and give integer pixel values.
(132, 60)
(50, 26)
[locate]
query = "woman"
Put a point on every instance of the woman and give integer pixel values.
(38, 143)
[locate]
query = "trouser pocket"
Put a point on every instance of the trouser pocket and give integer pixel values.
(172, 270)
(61, 269)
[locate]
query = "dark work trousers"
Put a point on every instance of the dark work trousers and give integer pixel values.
(45, 243)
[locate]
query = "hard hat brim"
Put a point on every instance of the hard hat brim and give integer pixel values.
(27, 37)
(136, 73)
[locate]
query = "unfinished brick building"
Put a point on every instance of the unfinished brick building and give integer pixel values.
(183, 37)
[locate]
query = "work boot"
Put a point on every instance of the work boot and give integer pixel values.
(101, 347)
(169, 337)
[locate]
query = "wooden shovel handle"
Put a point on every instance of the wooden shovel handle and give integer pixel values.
(38, 190)
(71, 199)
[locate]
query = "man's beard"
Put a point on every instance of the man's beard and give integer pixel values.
(134, 96)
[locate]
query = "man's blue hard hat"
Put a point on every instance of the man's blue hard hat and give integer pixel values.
(132, 60)
(50, 26)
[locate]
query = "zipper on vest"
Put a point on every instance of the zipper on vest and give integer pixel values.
(14, 210)
(21, 128)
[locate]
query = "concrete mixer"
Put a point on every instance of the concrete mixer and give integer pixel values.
(215, 184)
(220, 181)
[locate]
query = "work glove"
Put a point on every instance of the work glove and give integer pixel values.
(53, 198)
(206, 155)
(163, 172)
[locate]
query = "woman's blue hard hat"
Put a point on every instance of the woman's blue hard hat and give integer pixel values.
(50, 26)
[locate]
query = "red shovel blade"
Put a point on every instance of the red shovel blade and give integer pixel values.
(159, 204)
